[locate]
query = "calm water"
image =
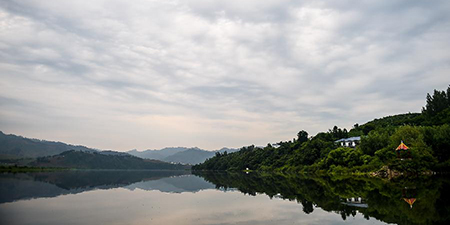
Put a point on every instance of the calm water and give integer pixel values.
(121, 197)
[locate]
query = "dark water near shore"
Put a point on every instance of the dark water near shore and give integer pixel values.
(179, 197)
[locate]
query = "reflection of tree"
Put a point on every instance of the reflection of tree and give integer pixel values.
(307, 206)
(382, 200)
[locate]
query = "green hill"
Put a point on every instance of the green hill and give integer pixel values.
(427, 135)
(96, 160)
(413, 119)
(12, 146)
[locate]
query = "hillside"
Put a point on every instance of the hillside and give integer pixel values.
(426, 134)
(95, 160)
(12, 146)
(413, 119)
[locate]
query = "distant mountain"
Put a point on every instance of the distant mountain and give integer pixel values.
(157, 154)
(12, 146)
(190, 156)
(180, 154)
(98, 160)
(110, 152)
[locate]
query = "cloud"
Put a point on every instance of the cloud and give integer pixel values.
(116, 75)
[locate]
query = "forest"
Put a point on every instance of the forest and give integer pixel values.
(427, 135)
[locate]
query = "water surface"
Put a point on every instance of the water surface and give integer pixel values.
(178, 197)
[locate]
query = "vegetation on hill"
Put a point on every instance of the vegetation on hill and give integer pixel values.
(427, 135)
(12, 146)
(95, 160)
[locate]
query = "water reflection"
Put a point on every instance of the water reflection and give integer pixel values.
(178, 197)
(348, 196)
(21, 186)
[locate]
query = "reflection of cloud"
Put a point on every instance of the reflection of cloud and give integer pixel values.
(120, 206)
(175, 184)
(103, 74)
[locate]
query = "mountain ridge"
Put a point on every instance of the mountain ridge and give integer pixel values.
(98, 160)
(14, 147)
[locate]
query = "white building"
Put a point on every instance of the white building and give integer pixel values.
(349, 142)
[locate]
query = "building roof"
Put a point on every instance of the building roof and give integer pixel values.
(349, 139)
(402, 146)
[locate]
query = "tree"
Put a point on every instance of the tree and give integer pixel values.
(422, 157)
(347, 157)
(438, 137)
(302, 136)
(376, 140)
(338, 133)
(436, 103)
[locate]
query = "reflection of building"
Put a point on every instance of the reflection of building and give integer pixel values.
(278, 196)
(410, 201)
(276, 145)
(356, 202)
(409, 196)
(349, 142)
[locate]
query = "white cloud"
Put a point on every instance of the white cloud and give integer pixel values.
(149, 74)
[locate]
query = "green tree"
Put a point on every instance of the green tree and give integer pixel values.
(302, 136)
(376, 140)
(422, 157)
(436, 103)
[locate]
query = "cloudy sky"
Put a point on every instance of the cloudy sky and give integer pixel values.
(115, 74)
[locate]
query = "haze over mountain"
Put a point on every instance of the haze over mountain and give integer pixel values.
(180, 154)
(157, 154)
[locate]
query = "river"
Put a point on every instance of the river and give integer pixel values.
(180, 197)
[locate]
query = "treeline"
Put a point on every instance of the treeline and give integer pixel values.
(427, 135)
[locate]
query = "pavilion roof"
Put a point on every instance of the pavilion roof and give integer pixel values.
(402, 146)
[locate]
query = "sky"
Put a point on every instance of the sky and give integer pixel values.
(115, 74)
